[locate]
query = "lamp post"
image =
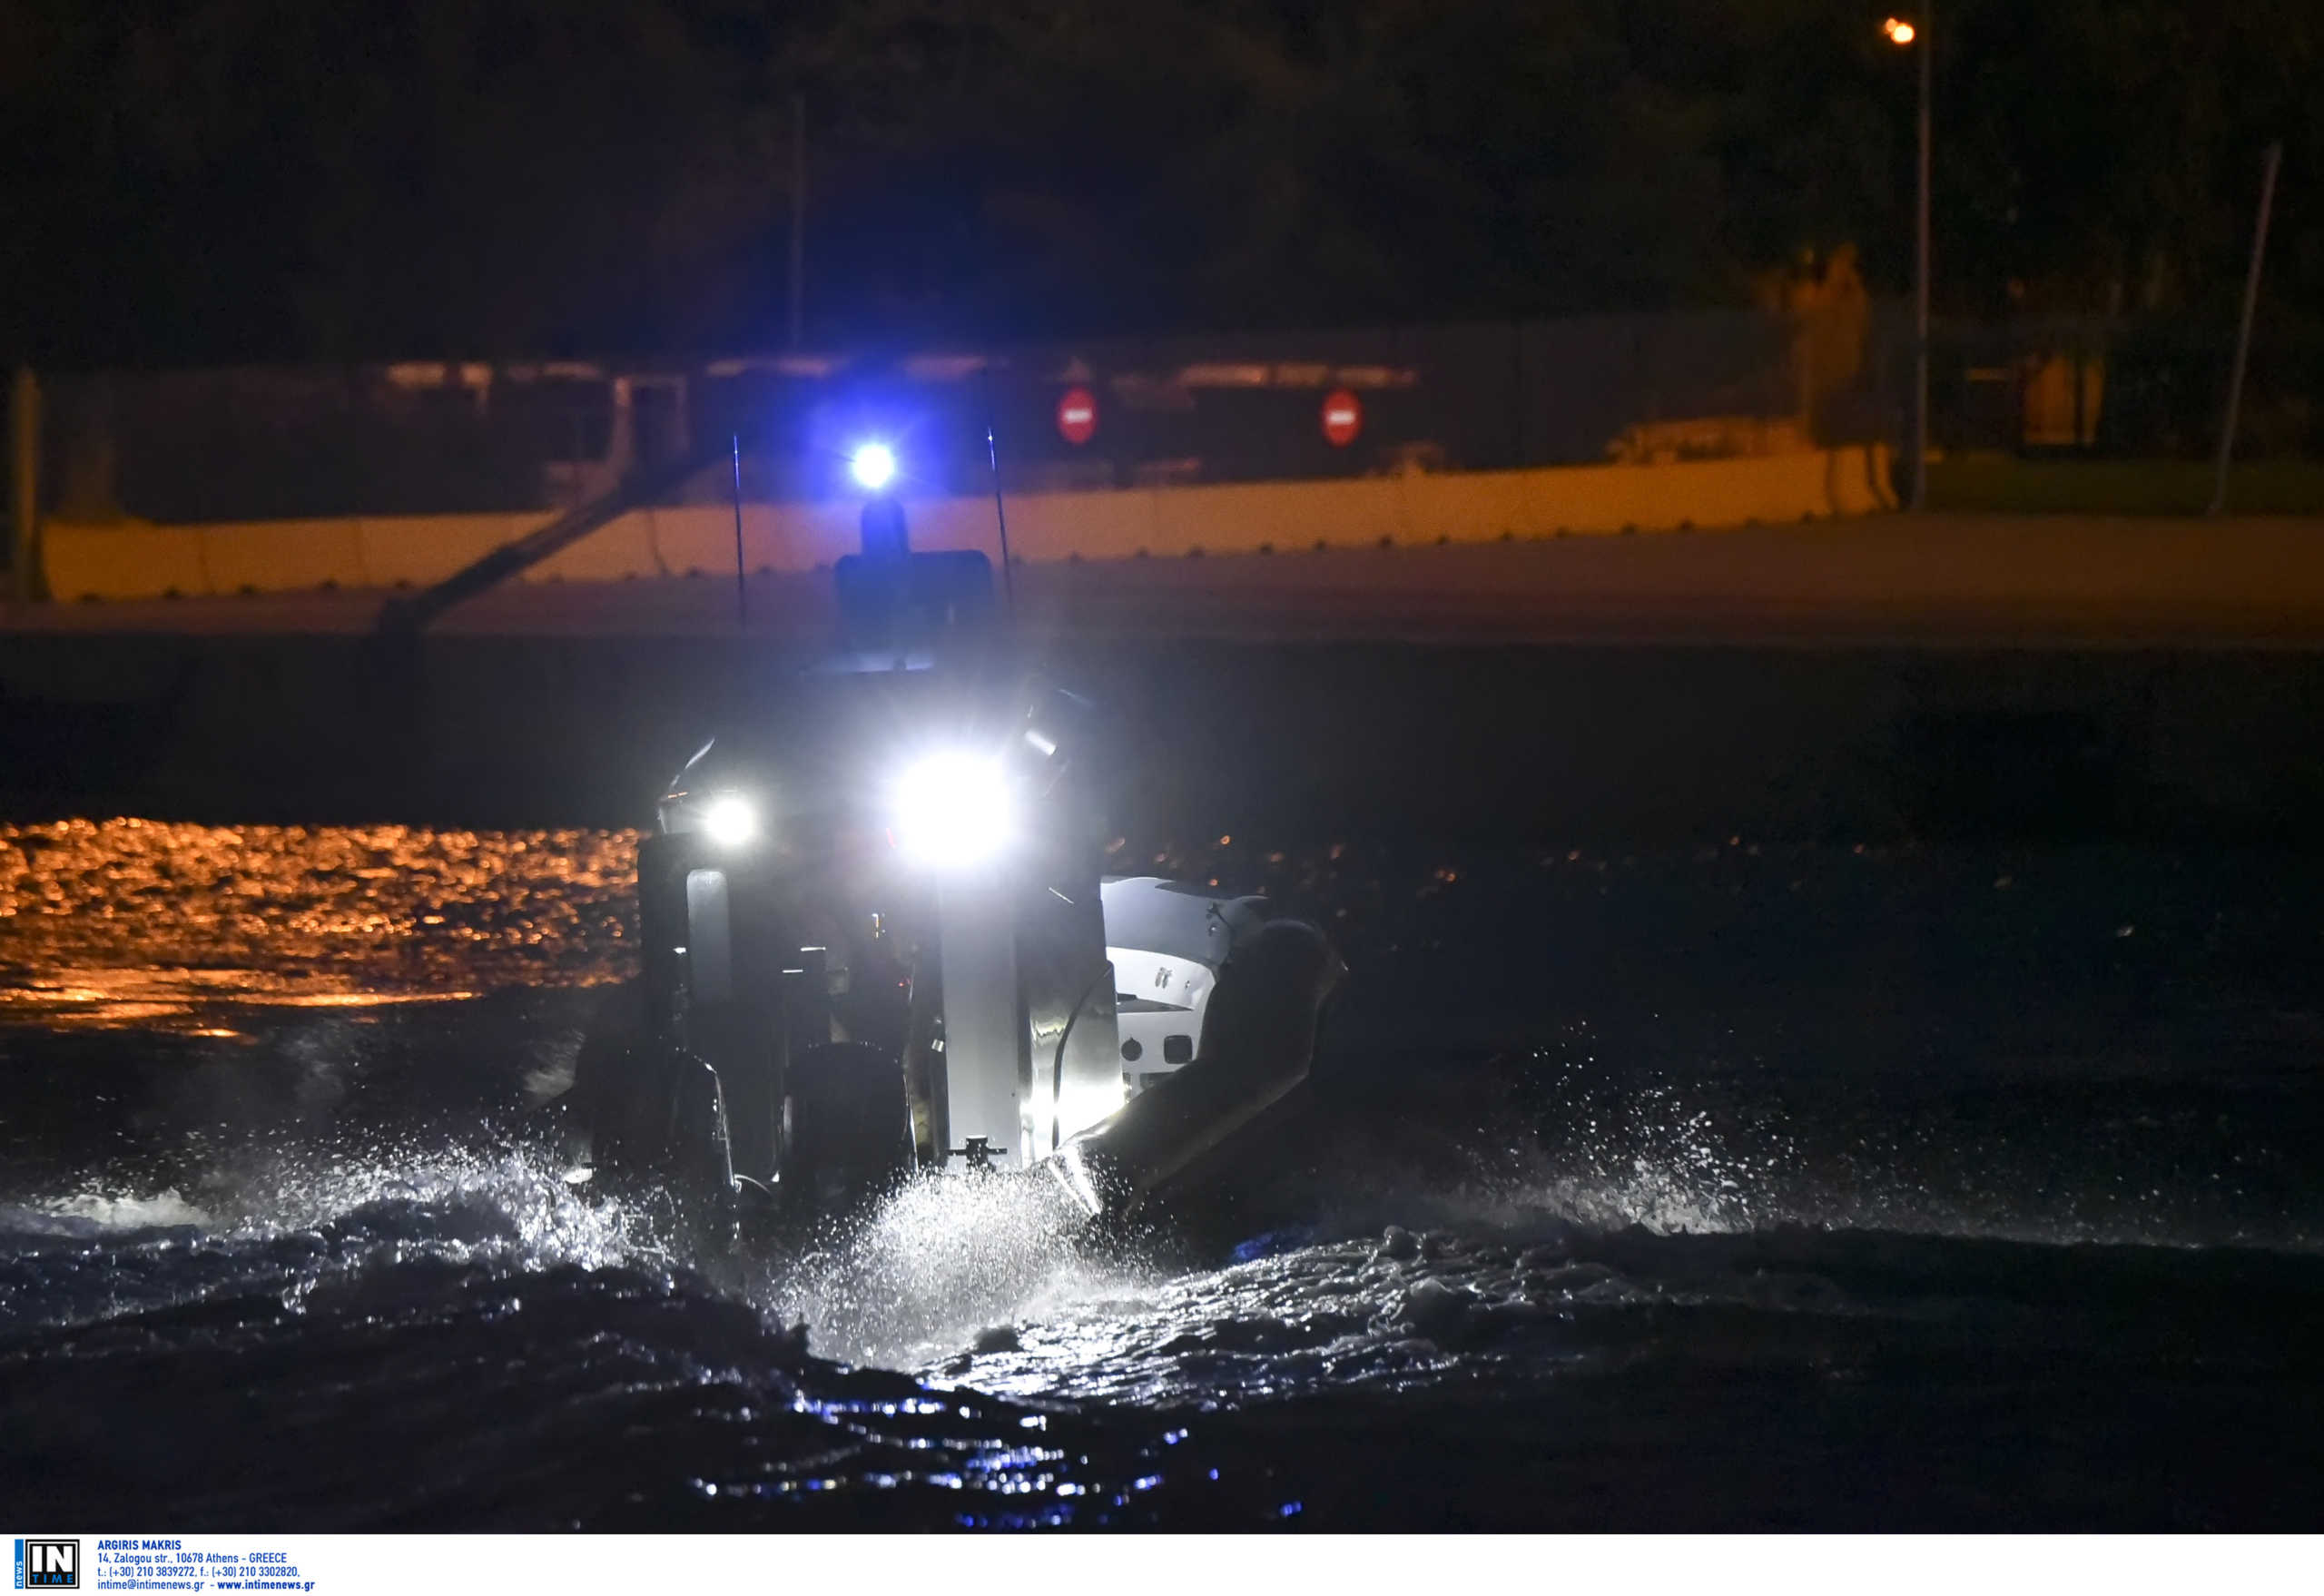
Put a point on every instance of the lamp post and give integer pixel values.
(1904, 35)
(798, 283)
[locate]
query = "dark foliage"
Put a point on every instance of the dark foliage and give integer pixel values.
(211, 179)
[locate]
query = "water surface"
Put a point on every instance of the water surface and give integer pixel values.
(1815, 1188)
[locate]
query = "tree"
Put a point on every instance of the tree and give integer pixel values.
(215, 180)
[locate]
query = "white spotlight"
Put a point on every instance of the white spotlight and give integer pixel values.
(730, 820)
(953, 810)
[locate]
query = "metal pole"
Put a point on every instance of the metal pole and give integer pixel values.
(2244, 333)
(24, 575)
(999, 509)
(798, 214)
(741, 586)
(1920, 270)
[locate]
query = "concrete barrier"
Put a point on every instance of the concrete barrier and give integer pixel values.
(1095, 525)
(131, 561)
(623, 548)
(136, 560)
(412, 551)
(272, 556)
(1229, 519)
(699, 539)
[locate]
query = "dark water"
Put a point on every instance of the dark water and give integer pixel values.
(1789, 1188)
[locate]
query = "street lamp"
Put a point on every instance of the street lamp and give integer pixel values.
(1904, 34)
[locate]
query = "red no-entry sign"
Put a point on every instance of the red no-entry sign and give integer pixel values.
(1077, 415)
(1342, 418)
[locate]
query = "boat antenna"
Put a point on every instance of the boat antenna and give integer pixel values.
(742, 587)
(999, 509)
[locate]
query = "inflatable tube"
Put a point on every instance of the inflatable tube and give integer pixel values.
(1258, 1041)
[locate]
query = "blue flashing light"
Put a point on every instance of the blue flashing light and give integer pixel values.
(873, 465)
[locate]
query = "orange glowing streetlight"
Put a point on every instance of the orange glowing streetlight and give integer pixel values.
(1901, 34)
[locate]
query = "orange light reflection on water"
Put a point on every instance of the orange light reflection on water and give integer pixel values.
(130, 922)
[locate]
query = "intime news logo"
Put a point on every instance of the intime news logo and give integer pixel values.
(48, 1565)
